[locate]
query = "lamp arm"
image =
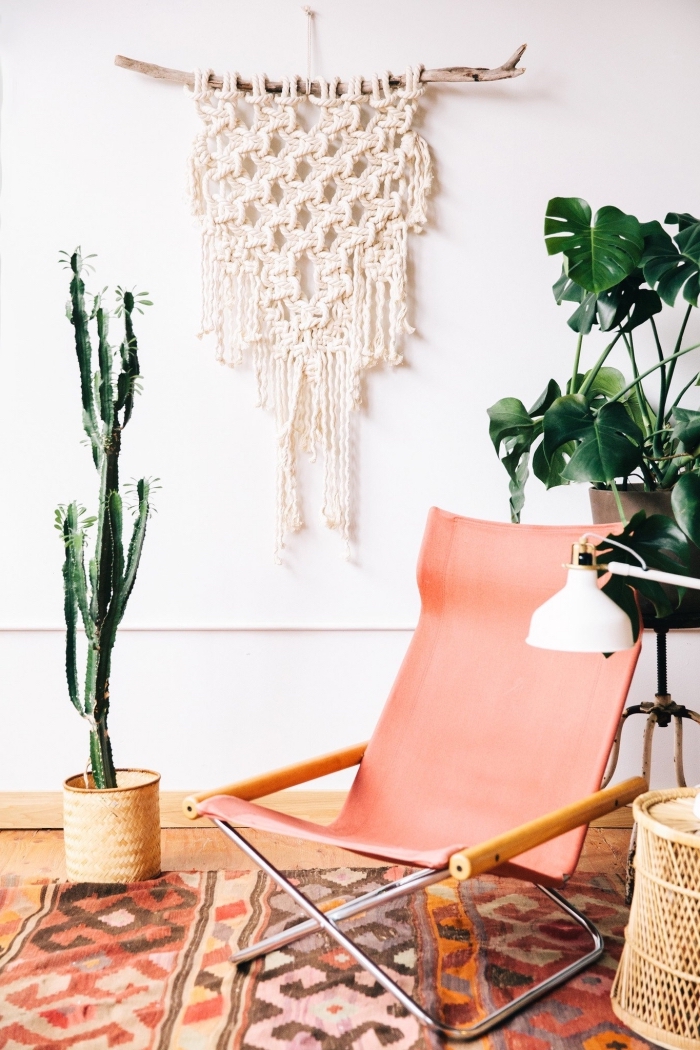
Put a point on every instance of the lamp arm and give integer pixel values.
(619, 568)
(615, 543)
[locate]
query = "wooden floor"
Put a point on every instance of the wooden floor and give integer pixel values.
(39, 854)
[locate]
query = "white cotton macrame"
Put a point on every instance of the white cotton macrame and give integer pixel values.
(278, 202)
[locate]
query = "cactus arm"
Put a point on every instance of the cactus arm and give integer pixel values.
(116, 525)
(70, 608)
(93, 655)
(92, 569)
(83, 347)
(130, 361)
(136, 543)
(99, 600)
(101, 568)
(104, 549)
(104, 356)
(101, 588)
(78, 581)
(76, 600)
(108, 629)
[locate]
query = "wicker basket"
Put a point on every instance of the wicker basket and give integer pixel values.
(657, 987)
(112, 835)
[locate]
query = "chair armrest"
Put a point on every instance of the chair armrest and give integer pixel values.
(477, 859)
(279, 779)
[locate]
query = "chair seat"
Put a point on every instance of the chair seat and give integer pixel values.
(248, 814)
(236, 812)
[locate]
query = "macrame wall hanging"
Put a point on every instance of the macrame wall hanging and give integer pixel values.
(305, 224)
(337, 201)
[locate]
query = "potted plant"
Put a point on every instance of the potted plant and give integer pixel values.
(111, 816)
(605, 426)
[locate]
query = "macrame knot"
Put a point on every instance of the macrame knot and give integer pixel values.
(354, 92)
(413, 89)
(304, 255)
(201, 84)
(259, 95)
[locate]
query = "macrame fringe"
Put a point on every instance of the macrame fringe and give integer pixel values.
(340, 198)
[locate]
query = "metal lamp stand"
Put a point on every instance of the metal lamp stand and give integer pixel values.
(659, 712)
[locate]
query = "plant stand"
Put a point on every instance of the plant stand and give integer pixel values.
(659, 712)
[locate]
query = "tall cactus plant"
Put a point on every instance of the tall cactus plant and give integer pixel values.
(99, 596)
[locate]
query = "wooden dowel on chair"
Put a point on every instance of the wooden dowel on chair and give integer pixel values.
(280, 779)
(478, 859)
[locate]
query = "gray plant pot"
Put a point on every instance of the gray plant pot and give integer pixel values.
(634, 498)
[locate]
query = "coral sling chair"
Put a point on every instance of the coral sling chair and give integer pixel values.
(485, 756)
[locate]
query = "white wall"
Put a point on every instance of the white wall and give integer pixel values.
(95, 155)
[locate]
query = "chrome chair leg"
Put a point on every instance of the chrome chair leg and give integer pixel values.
(326, 922)
(415, 881)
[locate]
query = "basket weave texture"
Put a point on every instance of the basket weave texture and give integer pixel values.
(656, 991)
(112, 835)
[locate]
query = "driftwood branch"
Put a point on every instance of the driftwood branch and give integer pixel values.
(451, 75)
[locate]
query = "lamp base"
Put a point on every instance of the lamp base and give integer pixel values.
(659, 712)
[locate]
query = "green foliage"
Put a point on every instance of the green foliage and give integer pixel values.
(601, 426)
(607, 441)
(672, 264)
(626, 305)
(98, 596)
(662, 545)
(598, 253)
(686, 430)
(515, 429)
(685, 500)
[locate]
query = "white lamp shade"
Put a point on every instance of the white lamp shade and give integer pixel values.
(581, 619)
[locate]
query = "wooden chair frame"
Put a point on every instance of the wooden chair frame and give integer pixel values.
(464, 864)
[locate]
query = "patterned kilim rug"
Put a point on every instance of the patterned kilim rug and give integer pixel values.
(146, 967)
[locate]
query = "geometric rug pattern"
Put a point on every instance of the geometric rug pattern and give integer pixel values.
(146, 966)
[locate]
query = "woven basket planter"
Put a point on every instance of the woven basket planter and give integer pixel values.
(657, 987)
(112, 835)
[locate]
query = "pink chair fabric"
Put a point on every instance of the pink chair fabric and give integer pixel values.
(481, 732)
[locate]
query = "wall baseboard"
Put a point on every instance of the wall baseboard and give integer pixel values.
(35, 810)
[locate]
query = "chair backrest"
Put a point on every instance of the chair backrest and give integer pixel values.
(482, 732)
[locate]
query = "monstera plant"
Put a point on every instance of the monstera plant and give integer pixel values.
(614, 419)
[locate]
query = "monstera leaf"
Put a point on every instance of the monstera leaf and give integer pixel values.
(512, 427)
(550, 471)
(672, 264)
(598, 252)
(662, 545)
(608, 441)
(608, 383)
(685, 500)
(515, 429)
(628, 300)
(610, 308)
(547, 398)
(687, 429)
